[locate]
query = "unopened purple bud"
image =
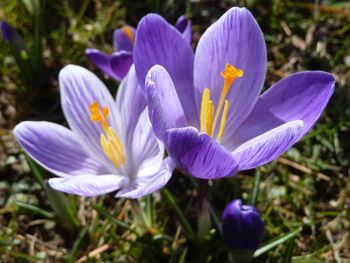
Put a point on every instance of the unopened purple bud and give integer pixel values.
(8, 32)
(242, 226)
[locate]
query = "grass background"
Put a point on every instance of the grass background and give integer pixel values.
(306, 190)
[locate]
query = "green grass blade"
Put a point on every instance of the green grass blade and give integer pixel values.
(255, 191)
(276, 242)
(186, 225)
(112, 218)
(183, 256)
(77, 242)
(35, 209)
(287, 257)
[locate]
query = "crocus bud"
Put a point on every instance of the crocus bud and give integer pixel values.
(10, 36)
(7, 31)
(18, 48)
(242, 226)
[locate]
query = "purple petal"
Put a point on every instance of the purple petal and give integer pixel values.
(89, 185)
(122, 40)
(157, 42)
(79, 89)
(55, 148)
(120, 63)
(198, 155)
(301, 96)
(268, 146)
(236, 39)
(143, 186)
(100, 60)
(116, 65)
(165, 109)
(131, 102)
(184, 26)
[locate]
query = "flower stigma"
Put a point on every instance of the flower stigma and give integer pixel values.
(109, 140)
(207, 120)
(128, 32)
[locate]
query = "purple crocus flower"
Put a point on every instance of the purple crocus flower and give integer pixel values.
(242, 226)
(8, 32)
(207, 107)
(118, 63)
(10, 36)
(111, 145)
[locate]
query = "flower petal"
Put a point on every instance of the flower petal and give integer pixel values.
(143, 186)
(184, 26)
(89, 185)
(131, 102)
(165, 109)
(116, 65)
(100, 60)
(147, 151)
(268, 146)
(301, 96)
(158, 42)
(121, 40)
(235, 38)
(55, 148)
(79, 89)
(120, 63)
(198, 155)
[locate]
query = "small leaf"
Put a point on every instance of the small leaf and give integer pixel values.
(58, 201)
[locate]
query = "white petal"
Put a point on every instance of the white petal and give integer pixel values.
(89, 185)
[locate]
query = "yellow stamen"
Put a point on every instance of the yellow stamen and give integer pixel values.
(204, 107)
(128, 32)
(230, 74)
(223, 120)
(96, 115)
(210, 118)
(110, 141)
(207, 120)
(207, 113)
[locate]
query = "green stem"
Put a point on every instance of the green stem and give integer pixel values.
(140, 218)
(204, 221)
(255, 192)
(241, 256)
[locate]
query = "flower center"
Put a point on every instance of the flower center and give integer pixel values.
(208, 121)
(110, 141)
(128, 32)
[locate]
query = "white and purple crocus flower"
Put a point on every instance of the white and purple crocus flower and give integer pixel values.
(119, 62)
(110, 146)
(207, 108)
